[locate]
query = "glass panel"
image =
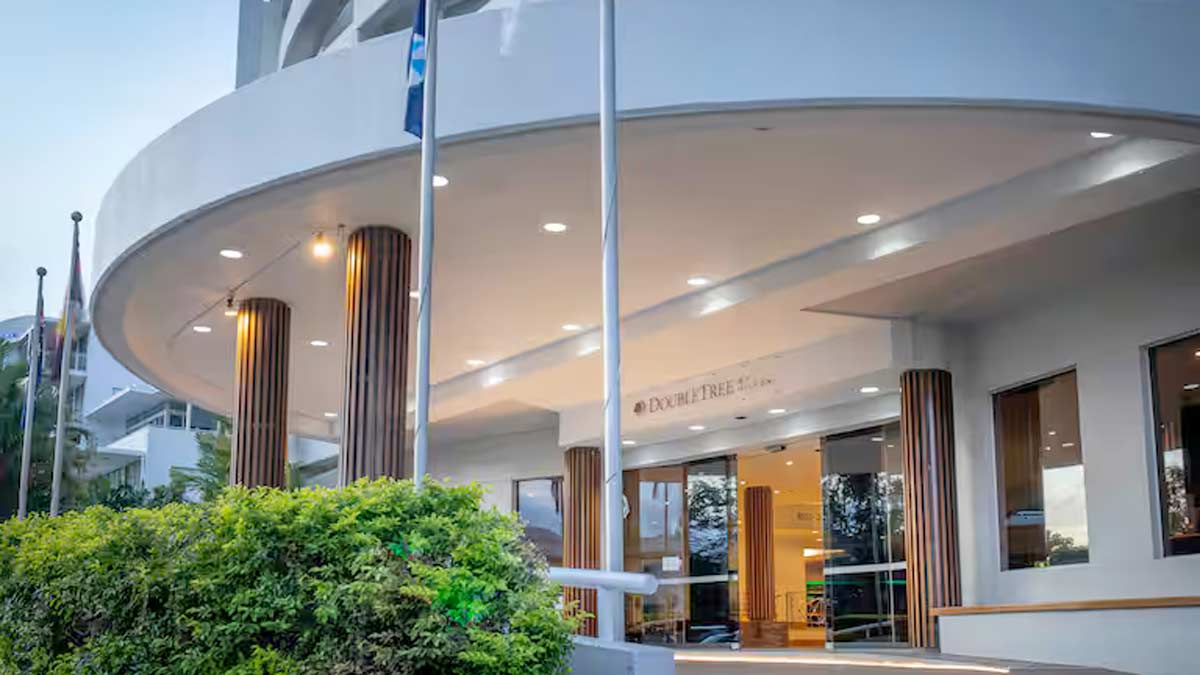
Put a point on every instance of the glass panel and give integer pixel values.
(1039, 467)
(1175, 371)
(539, 505)
(679, 528)
(863, 502)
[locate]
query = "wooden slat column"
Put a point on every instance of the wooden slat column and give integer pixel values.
(758, 514)
(581, 525)
(378, 268)
(259, 450)
(930, 524)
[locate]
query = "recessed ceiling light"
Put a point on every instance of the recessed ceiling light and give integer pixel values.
(776, 411)
(1198, 355)
(776, 491)
(1191, 387)
(202, 329)
(475, 363)
(743, 482)
(1068, 444)
(628, 442)
(698, 281)
(1101, 134)
(869, 219)
(1052, 432)
(870, 389)
(696, 427)
(318, 343)
(572, 327)
(789, 462)
(415, 295)
(231, 312)
(555, 228)
(231, 253)
(440, 181)
(877, 439)
(331, 415)
(493, 381)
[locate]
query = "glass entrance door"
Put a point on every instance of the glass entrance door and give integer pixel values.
(862, 487)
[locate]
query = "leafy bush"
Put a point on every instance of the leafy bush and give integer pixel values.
(372, 578)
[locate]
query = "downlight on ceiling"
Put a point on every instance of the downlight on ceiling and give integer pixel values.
(231, 253)
(1101, 134)
(572, 327)
(555, 228)
(869, 219)
(331, 415)
(869, 389)
(475, 363)
(318, 343)
(776, 411)
(696, 427)
(698, 281)
(201, 329)
(440, 181)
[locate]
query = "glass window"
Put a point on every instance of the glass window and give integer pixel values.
(1039, 470)
(1175, 374)
(539, 505)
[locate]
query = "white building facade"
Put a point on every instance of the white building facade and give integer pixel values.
(908, 310)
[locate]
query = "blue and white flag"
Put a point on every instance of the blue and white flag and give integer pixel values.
(413, 120)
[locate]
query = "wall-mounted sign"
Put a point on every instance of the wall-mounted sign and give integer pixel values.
(701, 393)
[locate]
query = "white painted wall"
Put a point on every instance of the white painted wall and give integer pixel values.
(496, 461)
(1101, 328)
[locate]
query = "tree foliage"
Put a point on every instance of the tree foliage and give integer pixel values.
(372, 578)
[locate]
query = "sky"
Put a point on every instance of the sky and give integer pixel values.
(84, 85)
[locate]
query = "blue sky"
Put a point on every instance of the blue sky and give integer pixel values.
(85, 84)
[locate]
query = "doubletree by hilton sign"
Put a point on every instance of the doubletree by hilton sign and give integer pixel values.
(701, 393)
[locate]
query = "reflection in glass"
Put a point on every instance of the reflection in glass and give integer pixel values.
(862, 486)
(1039, 466)
(539, 505)
(679, 529)
(1175, 372)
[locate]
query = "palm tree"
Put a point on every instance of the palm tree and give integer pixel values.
(211, 473)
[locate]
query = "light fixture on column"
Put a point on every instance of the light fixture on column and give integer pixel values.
(322, 248)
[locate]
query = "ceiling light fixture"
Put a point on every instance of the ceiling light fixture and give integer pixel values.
(1191, 387)
(475, 363)
(440, 181)
(322, 248)
(331, 415)
(869, 389)
(877, 439)
(572, 327)
(1101, 134)
(231, 253)
(628, 442)
(555, 228)
(318, 343)
(202, 329)
(415, 295)
(776, 411)
(229, 310)
(869, 219)
(696, 427)
(789, 462)
(698, 281)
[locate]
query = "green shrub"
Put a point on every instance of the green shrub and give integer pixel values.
(372, 578)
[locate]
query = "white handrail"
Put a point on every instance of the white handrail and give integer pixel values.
(628, 582)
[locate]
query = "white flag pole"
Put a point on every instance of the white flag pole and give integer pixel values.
(610, 607)
(425, 251)
(64, 375)
(35, 360)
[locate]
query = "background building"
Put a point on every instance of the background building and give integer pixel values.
(909, 316)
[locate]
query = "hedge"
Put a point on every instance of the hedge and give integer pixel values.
(372, 578)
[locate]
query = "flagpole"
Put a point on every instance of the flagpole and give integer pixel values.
(35, 360)
(64, 376)
(610, 605)
(425, 250)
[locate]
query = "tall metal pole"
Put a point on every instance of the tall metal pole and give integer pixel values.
(425, 251)
(610, 604)
(35, 360)
(64, 376)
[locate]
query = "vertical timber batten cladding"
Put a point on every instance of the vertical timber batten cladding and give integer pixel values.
(759, 517)
(260, 385)
(930, 525)
(374, 410)
(581, 526)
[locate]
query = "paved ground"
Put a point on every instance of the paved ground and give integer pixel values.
(796, 662)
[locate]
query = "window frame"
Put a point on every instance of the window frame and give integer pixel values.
(561, 480)
(1158, 506)
(998, 470)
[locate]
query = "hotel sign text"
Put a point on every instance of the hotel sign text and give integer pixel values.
(700, 393)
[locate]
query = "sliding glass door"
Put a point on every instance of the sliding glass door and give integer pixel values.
(862, 488)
